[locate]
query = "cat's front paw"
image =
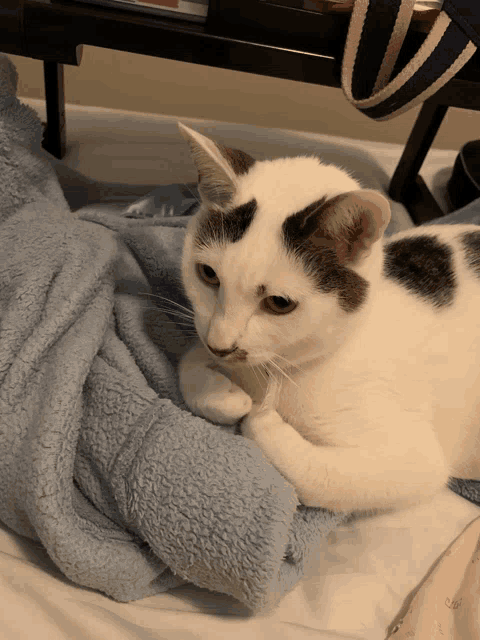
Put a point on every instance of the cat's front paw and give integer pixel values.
(260, 424)
(138, 209)
(225, 407)
(145, 208)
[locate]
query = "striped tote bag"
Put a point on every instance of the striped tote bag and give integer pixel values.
(376, 33)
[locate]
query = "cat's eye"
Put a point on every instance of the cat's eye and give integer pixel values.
(208, 275)
(279, 305)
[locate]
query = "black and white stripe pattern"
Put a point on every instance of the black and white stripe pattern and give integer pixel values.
(375, 36)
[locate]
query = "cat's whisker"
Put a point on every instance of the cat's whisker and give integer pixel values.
(185, 322)
(173, 312)
(255, 373)
(263, 370)
(156, 295)
(182, 321)
(290, 364)
(260, 370)
(302, 389)
(270, 377)
(181, 306)
(282, 372)
(179, 324)
(266, 373)
(270, 373)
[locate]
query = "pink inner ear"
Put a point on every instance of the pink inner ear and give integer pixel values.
(355, 239)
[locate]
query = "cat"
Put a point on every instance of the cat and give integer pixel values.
(352, 360)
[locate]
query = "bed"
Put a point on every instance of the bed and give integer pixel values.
(362, 580)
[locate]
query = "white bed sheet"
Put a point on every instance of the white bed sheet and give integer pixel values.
(363, 572)
(354, 590)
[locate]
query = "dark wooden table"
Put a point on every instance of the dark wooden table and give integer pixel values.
(303, 46)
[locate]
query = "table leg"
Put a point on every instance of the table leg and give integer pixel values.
(406, 184)
(55, 135)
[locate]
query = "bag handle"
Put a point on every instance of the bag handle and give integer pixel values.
(376, 33)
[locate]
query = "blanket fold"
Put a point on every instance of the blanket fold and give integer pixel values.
(100, 461)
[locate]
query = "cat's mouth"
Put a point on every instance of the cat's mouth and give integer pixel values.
(238, 355)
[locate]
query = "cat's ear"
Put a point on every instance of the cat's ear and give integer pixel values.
(354, 221)
(218, 166)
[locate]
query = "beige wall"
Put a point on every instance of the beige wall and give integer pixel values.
(120, 80)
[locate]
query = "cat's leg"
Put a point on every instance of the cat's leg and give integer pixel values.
(405, 465)
(208, 392)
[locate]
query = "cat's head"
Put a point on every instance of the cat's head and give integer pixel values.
(274, 261)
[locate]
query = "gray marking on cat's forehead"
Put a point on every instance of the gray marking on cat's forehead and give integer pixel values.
(424, 266)
(305, 237)
(260, 290)
(471, 246)
(225, 226)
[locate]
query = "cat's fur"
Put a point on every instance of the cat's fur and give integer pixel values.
(380, 401)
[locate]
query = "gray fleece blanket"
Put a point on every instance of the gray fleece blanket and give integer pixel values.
(100, 461)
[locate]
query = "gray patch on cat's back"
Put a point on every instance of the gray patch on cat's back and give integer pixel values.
(471, 246)
(225, 226)
(303, 237)
(423, 265)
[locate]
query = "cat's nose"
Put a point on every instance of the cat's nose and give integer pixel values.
(221, 353)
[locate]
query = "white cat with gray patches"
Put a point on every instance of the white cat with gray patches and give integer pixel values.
(353, 360)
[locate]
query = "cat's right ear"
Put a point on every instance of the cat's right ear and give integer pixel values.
(218, 167)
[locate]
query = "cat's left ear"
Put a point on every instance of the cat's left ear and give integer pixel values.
(218, 167)
(355, 221)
